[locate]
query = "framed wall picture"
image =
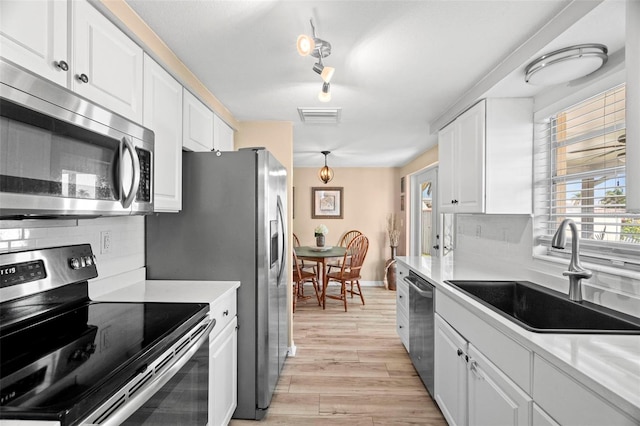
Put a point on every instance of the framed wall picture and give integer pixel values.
(402, 185)
(326, 203)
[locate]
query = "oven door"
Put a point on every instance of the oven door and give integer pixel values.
(172, 390)
(183, 400)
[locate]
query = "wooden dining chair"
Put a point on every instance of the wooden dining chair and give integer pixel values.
(349, 271)
(344, 241)
(304, 266)
(300, 277)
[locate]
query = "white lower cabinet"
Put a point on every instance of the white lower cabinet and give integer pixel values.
(469, 388)
(541, 418)
(569, 402)
(450, 373)
(402, 304)
(223, 375)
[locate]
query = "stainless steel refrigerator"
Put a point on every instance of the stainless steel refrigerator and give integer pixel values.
(233, 227)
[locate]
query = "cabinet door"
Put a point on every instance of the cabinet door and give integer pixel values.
(446, 169)
(223, 375)
(111, 62)
(540, 418)
(33, 34)
(197, 124)
(469, 160)
(163, 115)
(222, 135)
(450, 373)
(493, 398)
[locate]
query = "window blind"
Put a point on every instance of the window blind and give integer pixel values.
(580, 161)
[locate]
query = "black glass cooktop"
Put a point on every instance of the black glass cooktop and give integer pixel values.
(63, 367)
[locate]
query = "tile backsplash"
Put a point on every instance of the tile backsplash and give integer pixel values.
(126, 237)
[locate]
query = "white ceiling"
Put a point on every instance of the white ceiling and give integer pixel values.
(401, 66)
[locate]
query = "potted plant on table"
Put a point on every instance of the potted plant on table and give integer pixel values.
(319, 233)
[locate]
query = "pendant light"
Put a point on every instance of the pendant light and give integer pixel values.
(325, 174)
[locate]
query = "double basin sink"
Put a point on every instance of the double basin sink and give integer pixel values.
(542, 310)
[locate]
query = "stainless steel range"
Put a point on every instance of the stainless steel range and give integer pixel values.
(68, 359)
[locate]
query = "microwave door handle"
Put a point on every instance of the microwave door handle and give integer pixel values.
(135, 181)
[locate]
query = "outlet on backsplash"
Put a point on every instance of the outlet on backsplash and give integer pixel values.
(105, 242)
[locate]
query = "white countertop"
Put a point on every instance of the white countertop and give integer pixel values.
(170, 291)
(607, 364)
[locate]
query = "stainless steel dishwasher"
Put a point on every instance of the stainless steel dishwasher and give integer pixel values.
(421, 327)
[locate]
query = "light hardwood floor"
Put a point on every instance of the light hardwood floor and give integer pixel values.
(350, 369)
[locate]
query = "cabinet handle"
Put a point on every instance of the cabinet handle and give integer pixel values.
(399, 326)
(225, 313)
(473, 366)
(399, 296)
(62, 65)
(460, 352)
(83, 78)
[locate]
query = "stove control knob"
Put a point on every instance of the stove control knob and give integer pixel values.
(88, 260)
(74, 262)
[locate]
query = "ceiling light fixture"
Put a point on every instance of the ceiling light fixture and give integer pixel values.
(325, 174)
(325, 93)
(318, 48)
(566, 64)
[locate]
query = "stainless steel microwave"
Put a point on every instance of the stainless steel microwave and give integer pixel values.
(63, 156)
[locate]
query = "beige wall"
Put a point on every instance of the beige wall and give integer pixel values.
(368, 199)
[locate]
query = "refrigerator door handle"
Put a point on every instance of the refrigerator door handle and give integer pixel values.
(283, 258)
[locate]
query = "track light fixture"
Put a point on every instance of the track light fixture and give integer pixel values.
(325, 93)
(318, 48)
(325, 174)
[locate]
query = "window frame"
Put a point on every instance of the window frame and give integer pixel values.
(618, 257)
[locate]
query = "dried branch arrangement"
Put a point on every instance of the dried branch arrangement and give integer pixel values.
(393, 229)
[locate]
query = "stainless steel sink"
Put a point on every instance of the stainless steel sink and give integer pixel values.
(542, 310)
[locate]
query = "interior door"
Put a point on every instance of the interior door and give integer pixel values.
(425, 222)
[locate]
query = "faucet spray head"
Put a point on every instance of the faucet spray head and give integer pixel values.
(559, 239)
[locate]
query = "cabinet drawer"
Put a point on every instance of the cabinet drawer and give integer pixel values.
(509, 356)
(402, 327)
(223, 311)
(402, 297)
(569, 402)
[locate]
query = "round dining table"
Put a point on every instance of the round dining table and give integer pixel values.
(320, 255)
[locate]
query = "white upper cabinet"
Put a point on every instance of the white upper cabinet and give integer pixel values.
(104, 65)
(33, 34)
(163, 115)
(222, 135)
(486, 157)
(197, 124)
(107, 64)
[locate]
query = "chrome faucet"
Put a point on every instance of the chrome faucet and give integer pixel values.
(576, 272)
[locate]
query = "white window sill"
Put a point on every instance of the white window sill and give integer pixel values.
(612, 270)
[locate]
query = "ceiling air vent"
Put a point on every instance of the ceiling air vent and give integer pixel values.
(320, 115)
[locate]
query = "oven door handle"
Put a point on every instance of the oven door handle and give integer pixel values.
(142, 396)
(424, 293)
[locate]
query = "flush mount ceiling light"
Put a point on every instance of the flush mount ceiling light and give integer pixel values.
(566, 64)
(325, 174)
(318, 48)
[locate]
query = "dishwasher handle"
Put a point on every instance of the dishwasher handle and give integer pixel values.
(424, 293)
